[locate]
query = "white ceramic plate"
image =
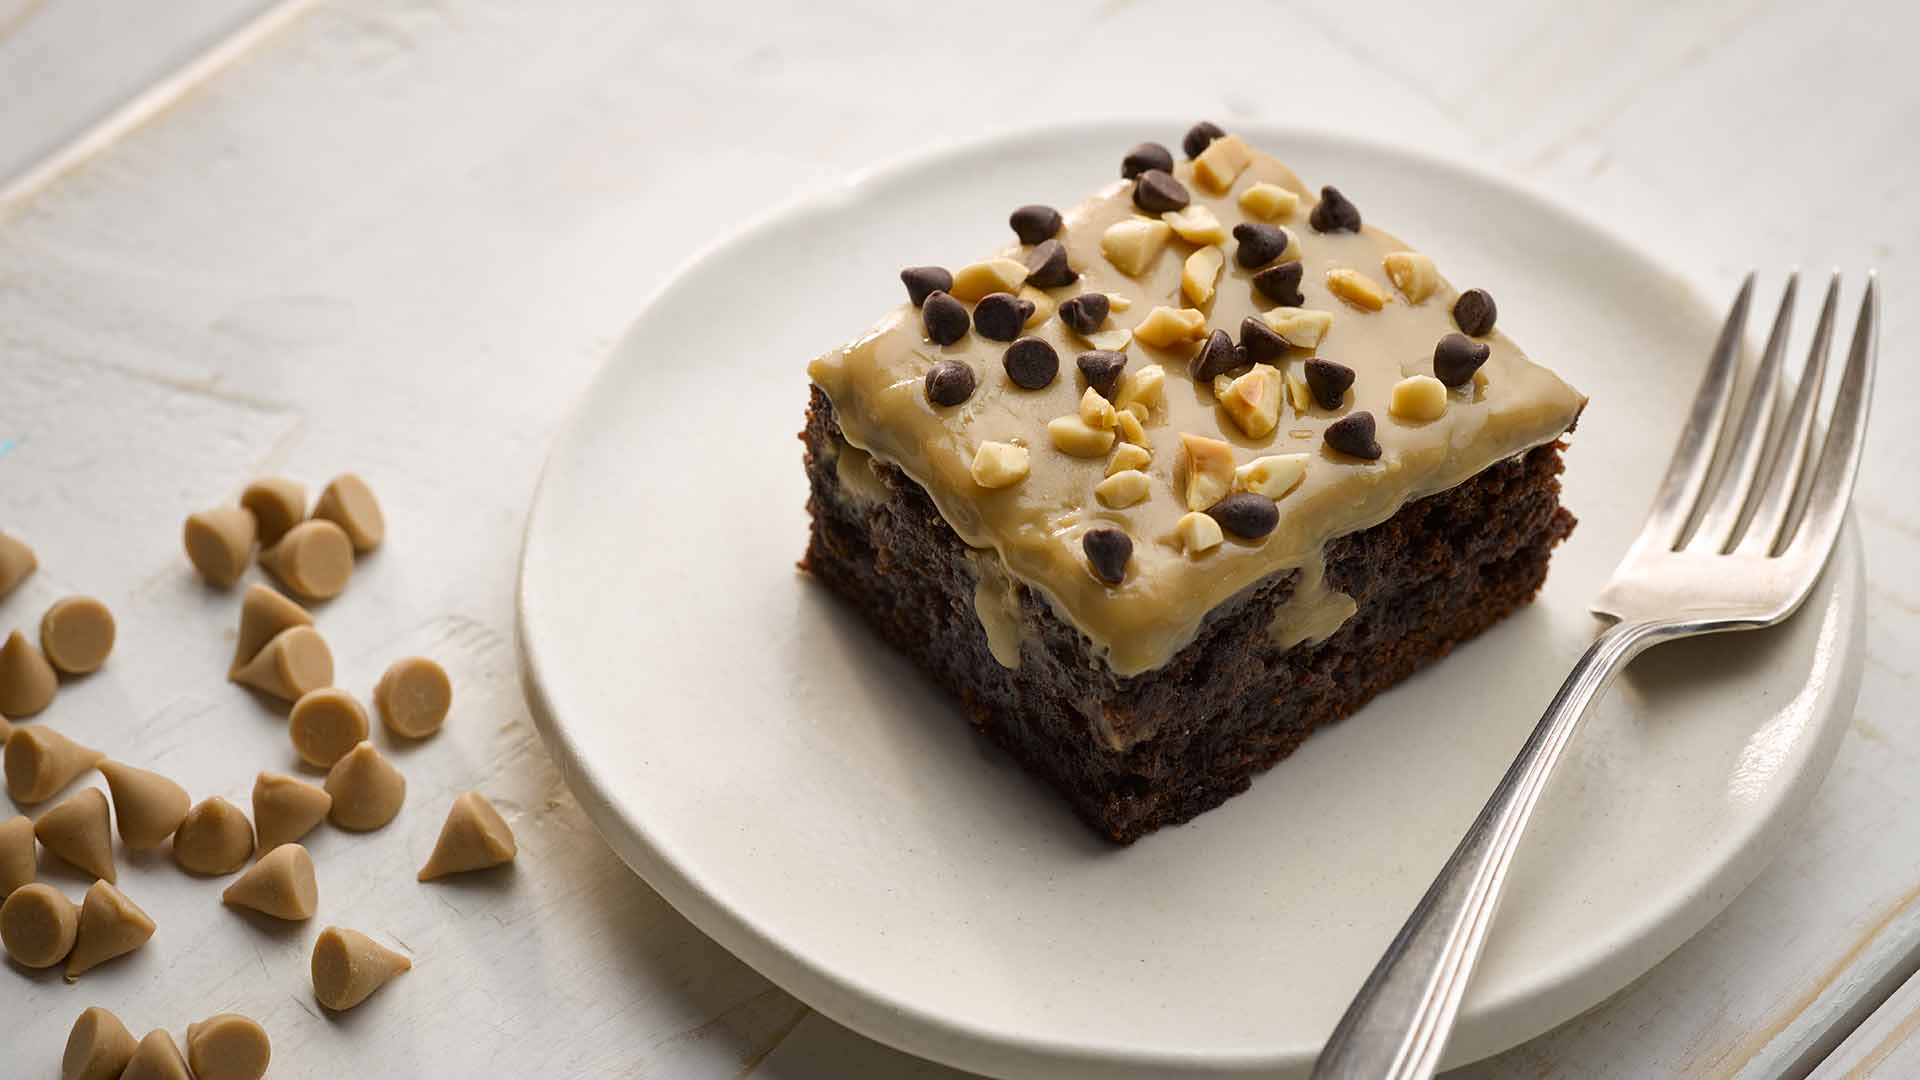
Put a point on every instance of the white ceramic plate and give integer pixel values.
(805, 797)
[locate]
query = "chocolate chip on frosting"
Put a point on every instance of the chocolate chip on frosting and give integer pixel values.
(1334, 212)
(1157, 192)
(1031, 363)
(949, 382)
(1246, 515)
(1353, 435)
(1199, 137)
(1281, 283)
(1329, 382)
(1217, 357)
(1457, 357)
(924, 281)
(1147, 155)
(1102, 370)
(1107, 551)
(1047, 266)
(1474, 312)
(1084, 313)
(944, 318)
(1259, 342)
(1000, 316)
(1259, 244)
(1033, 223)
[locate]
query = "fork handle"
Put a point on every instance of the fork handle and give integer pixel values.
(1398, 1024)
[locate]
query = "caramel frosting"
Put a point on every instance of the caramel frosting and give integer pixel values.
(1036, 524)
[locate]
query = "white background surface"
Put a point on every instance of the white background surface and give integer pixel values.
(397, 238)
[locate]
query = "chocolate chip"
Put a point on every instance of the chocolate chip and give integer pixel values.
(1334, 212)
(1216, 357)
(922, 281)
(1281, 283)
(1259, 244)
(1199, 137)
(1047, 265)
(1353, 435)
(1034, 223)
(1148, 155)
(946, 319)
(1457, 357)
(1247, 515)
(1102, 370)
(1031, 363)
(1107, 553)
(1260, 342)
(1084, 313)
(1474, 312)
(1328, 382)
(1157, 192)
(949, 382)
(999, 316)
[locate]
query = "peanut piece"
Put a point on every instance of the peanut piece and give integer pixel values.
(1128, 456)
(975, 280)
(1196, 225)
(1412, 273)
(1166, 326)
(1419, 399)
(1198, 532)
(999, 465)
(1123, 489)
(1096, 411)
(1201, 273)
(1133, 244)
(1269, 201)
(1074, 436)
(1130, 428)
(1145, 387)
(1356, 288)
(1253, 400)
(1273, 476)
(1221, 163)
(1206, 466)
(1303, 328)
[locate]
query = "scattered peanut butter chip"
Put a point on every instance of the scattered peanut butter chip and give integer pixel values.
(367, 790)
(281, 884)
(27, 681)
(157, 1058)
(348, 502)
(286, 809)
(264, 613)
(1269, 202)
(76, 634)
(38, 925)
(79, 831)
(348, 966)
(146, 805)
(325, 724)
(1412, 273)
(219, 543)
(1206, 468)
(41, 761)
(294, 662)
(1198, 533)
(98, 1047)
(314, 559)
(214, 839)
(277, 505)
(19, 862)
(16, 562)
(110, 926)
(999, 465)
(414, 697)
(474, 837)
(1419, 398)
(228, 1047)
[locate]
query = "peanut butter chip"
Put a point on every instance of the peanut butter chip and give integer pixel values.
(277, 505)
(314, 559)
(38, 925)
(27, 681)
(41, 761)
(157, 1058)
(98, 1047)
(293, 663)
(349, 503)
(214, 839)
(263, 615)
(475, 837)
(414, 697)
(367, 790)
(325, 724)
(77, 829)
(281, 884)
(77, 634)
(147, 806)
(285, 809)
(16, 562)
(19, 864)
(228, 1047)
(111, 926)
(219, 543)
(348, 966)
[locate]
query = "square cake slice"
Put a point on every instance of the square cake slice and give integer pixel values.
(1185, 473)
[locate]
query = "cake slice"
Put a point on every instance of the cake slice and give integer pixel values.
(1182, 475)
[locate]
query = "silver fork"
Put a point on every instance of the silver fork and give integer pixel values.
(1762, 529)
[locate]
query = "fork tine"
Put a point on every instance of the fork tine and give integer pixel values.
(1693, 454)
(1715, 532)
(1796, 438)
(1846, 437)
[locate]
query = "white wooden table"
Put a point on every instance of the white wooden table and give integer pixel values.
(396, 237)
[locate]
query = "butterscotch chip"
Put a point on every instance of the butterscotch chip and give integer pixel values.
(41, 761)
(1198, 532)
(999, 465)
(295, 662)
(1273, 476)
(348, 966)
(219, 543)
(314, 559)
(1132, 245)
(76, 634)
(78, 830)
(1123, 489)
(414, 697)
(1412, 273)
(27, 681)
(1269, 202)
(19, 862)
(98, 1047)
(157, 1058)
(1128, 456)
(1196, 225)
(1253, 400)
(367, 790)
(16, 562)
(1356, 288)
(285, 809)
(277, 505)
(281, 884)
(325, 724)
(349, 503)
(1166, 326)
(1206, 469)
(111, 926)
(1072, 435)
(475, 837)
(214, 839)
(264, 613)
(228, 1047)
(1201, 273)
(147, 806)
(38, 925)
(976, 280)
(1221, 163)
(1419, 398)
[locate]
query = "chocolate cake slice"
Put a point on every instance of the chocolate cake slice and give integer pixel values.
(1182, 475)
